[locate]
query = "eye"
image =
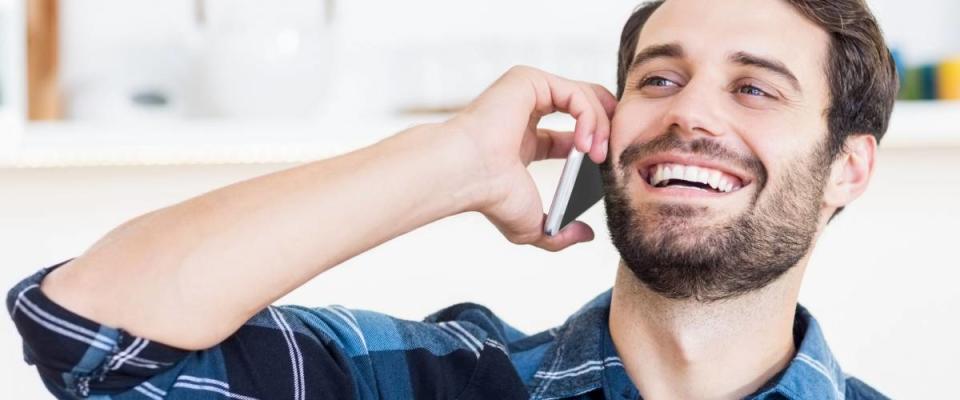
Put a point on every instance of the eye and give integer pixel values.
(658, 81)
(752, 91)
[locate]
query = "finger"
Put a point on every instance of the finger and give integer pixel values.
(608, 104)
(573, 233)
(553, 144)
(607, 99)
(569, 97)
(598, 148)
(599, 116)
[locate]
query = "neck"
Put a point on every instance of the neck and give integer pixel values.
(684, 349)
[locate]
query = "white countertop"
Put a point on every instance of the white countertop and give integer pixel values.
(62, 144)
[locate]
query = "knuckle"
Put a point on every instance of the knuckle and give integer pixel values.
(520, 69)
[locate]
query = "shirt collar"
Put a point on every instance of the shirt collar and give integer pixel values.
(574, 362)
(814, 372)
(583, 359)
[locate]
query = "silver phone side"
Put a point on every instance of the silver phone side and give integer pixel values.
(564, 190)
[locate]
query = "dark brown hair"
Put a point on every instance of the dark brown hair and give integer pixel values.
(860, 70)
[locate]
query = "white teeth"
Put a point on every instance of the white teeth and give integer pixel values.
(691, 174)
(715, 179)
(723, 185)
(671, 173)
(704, 176)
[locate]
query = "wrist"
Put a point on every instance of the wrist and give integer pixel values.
(455, 161)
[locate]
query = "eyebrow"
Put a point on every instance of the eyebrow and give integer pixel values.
(777, 67)
(649, 53)
(674, 50)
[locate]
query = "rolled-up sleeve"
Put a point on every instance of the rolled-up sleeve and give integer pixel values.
(281, 352)
(79, 358)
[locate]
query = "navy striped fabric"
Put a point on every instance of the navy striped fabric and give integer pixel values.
(291, 352)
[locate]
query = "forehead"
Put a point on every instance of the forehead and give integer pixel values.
(710, 30)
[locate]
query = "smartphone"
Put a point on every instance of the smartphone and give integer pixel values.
(579, 189)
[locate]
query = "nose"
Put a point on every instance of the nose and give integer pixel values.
(696, 110)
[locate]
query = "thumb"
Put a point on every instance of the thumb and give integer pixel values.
(573, 233)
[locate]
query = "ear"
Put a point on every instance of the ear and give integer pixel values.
(851, 171)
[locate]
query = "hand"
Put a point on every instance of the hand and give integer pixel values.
(501, 125)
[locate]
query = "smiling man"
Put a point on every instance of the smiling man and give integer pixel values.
(743, 127)
(739, 129)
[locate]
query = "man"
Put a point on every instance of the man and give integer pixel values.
(739, 129)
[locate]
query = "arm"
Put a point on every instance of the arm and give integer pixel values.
(190, 274)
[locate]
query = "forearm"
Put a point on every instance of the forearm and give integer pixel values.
(190, 274)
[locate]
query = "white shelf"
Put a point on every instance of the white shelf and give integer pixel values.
(194, 142)
(914, 124)
(924, 124)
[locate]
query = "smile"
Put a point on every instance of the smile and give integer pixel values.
(691, 176)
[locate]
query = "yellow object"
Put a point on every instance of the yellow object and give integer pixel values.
(948, 78)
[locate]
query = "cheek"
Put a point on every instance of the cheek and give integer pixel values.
(785, 134)
(634, 123)
(778, 139)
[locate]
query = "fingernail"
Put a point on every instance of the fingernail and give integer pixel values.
(605, 147)
(589, 143)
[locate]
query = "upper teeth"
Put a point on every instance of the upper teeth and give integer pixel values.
(716, 179)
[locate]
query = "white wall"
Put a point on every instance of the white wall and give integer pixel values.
(924, 30)
(428, 52)
(882, 281)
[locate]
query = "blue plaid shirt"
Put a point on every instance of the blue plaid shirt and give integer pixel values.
(291, 352)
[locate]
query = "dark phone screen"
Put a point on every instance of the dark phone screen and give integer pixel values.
(587, 191)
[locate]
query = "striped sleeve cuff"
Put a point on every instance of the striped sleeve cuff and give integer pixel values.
(76, 356)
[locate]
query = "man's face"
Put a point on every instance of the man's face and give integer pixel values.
(718, 157)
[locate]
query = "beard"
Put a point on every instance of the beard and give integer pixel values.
(674, 253)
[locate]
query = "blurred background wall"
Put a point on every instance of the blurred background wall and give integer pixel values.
(162, 101)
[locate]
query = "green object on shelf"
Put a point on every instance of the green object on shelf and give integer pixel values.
(919, 83)
(911, 88)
